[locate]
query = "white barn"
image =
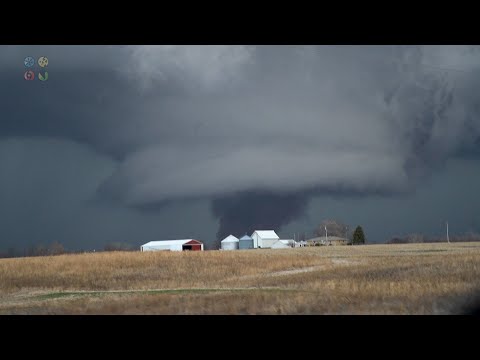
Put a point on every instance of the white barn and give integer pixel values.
(173, 245)
(230, 243)
(264, 238)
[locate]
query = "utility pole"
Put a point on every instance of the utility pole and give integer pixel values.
(448, 240)
(326, 235)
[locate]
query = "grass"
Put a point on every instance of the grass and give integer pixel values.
(374, 279)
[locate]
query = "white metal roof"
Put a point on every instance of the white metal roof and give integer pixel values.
(168, 242)
(230, 238)
(266, 234)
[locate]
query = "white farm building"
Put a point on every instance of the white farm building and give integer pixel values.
(264, 238)
(173, 245)
(230, 243)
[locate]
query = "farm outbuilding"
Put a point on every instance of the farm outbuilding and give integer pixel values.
(280, 244)
(230, 243)
(245, 242)
(289, 242)
(173, 245)
(264, 238)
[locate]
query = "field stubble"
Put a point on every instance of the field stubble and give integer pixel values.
(372, 279)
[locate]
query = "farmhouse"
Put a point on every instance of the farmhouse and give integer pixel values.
(173, 245)
(331, 240)
(230, 243)
(264, 238)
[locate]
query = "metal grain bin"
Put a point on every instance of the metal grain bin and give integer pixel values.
(245, 242)
(230, 243)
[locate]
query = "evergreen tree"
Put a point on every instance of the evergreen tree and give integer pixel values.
(358, 236)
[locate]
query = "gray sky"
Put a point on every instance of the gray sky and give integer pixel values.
(136, 143)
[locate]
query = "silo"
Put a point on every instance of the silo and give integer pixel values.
(230, 243)
(245, 242)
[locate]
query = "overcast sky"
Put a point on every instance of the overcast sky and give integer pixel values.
(139, 143)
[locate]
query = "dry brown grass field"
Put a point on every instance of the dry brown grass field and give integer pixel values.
(371, 279)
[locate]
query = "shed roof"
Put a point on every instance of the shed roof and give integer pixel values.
(246, 237)
(230, 238)
(266, 234)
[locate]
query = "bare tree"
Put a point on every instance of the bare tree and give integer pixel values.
(40, 250)
(334, 228)
(56, 248)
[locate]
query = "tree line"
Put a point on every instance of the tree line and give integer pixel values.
(56, 248)
(421, 238)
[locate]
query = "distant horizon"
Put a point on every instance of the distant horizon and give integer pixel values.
(454, 238)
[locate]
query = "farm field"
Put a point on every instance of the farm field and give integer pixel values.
(435, 278)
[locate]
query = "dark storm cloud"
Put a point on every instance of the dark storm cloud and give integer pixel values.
(298, 117)
(184, 122)
(48, 193)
